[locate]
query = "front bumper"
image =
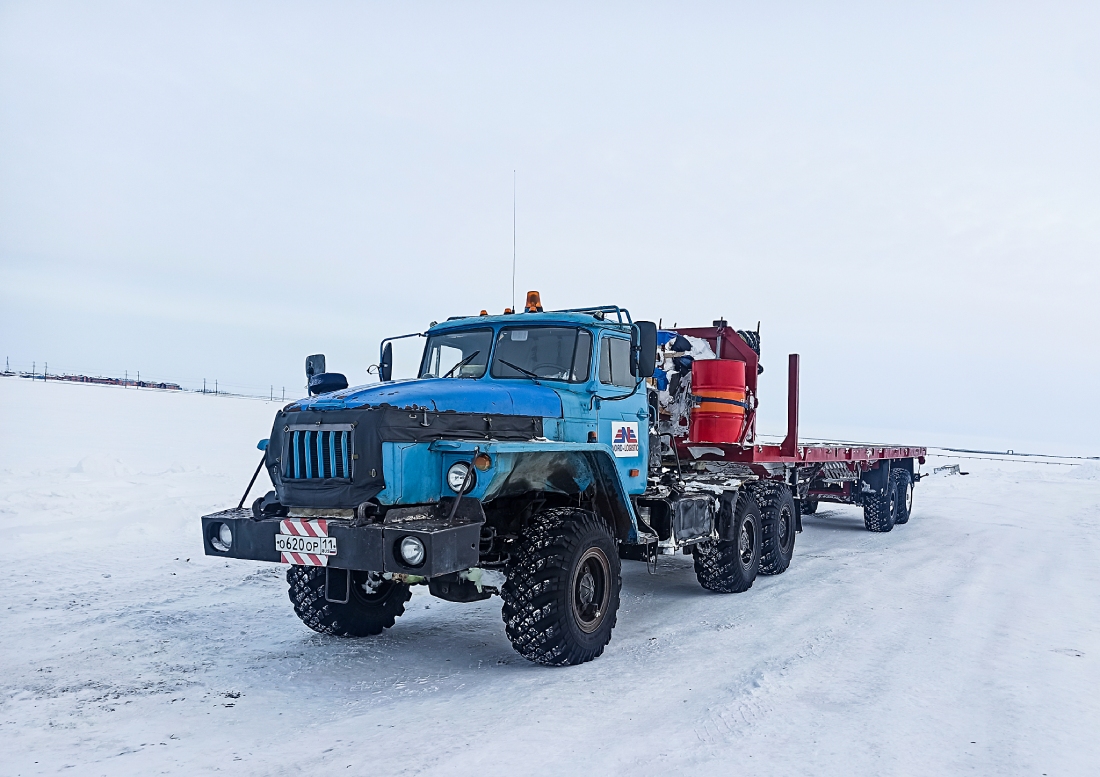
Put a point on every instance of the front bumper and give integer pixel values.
(451, 545)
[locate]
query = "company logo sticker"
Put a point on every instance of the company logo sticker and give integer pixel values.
(624, 438)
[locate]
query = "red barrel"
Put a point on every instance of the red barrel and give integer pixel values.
(718, 407)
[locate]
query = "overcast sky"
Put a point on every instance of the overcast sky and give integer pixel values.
(907, 196)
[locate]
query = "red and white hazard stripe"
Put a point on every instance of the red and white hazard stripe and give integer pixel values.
(318, 528)
(304, 559)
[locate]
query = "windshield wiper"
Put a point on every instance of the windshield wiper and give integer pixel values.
(528, 373)
(461, 364)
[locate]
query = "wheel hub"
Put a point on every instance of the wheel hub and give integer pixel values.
(372, 582)
(591, 589)
(745, 543)
(370, 586)
(587, 588)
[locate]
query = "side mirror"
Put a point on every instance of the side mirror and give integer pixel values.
(326, 382)
(643, 354)
(385, 368)
(315, 365)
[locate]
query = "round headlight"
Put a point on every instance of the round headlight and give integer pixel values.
(412, 551)
(457, 475)
(222, 539)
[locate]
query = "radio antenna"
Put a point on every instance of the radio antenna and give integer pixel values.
(513, 241)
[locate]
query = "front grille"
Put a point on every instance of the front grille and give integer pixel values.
(316, 454)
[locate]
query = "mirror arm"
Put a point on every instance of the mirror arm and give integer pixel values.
(382, 350)
(382, 345)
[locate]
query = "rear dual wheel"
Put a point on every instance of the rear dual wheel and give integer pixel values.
(730, 566)
(893, 506)
(765, 525)
(779, 524)
(904, 487)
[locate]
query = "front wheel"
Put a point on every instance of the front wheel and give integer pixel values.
(562, 590)
(373, 603)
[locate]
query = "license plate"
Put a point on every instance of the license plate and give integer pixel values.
(318, 546)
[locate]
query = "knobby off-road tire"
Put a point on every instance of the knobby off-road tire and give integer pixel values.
(562, 590)
(778, 523)
(904, 487)
(880, 513)
(372, 605)
(729, 567)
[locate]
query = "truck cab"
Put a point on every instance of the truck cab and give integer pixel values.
(570, 368)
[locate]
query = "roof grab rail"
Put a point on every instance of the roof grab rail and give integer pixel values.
(605, 309)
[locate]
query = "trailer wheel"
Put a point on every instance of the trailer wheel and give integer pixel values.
(729, 567)
(373, 603)
(904, 487)
(880, 513)
(778, 522)
(561, 596)
(809, 506)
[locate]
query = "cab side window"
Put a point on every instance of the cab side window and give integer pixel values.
(615, 362)
(582, 355)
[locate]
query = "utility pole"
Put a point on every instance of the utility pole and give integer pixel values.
(45, 371)
(204, 385)
(215, 386)
(271, 395)
(284, 393)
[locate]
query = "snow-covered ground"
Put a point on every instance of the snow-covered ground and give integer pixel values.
(966, 641)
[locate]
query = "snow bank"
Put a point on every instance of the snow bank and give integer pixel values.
(1089, 470)
(966, 640)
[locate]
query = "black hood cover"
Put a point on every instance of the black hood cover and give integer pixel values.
(366, 429)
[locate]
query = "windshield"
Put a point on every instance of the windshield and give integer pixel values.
(457, 354)
(550, 352)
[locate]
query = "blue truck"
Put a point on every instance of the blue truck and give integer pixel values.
(533, 453)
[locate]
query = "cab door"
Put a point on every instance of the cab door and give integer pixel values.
(623, 423)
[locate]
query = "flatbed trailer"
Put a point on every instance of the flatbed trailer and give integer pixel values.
(784, 481)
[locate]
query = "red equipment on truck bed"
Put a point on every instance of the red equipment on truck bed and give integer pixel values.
(727, 344)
